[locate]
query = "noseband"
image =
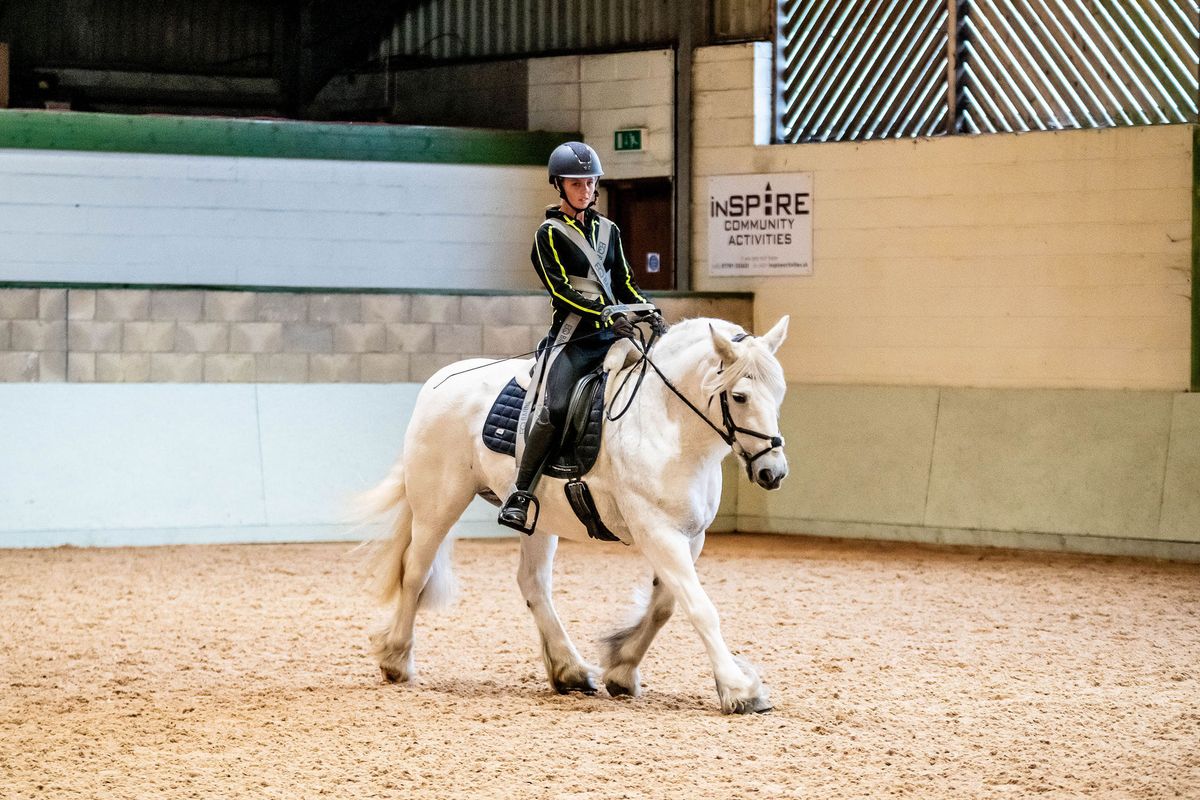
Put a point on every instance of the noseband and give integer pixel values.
(731, 429)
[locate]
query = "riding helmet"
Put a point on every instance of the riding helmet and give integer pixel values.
(574, 160)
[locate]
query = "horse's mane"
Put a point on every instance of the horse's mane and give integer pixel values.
(754, 359)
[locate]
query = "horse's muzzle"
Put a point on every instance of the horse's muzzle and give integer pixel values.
(768, 478)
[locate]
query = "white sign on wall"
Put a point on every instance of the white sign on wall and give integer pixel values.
(760, 224)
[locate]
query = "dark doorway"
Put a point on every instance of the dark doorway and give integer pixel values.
(642, 210)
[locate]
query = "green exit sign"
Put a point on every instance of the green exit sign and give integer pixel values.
(630, 139)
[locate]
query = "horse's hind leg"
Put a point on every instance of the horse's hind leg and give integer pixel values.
(431, 516)
(625, 649)
(564, 667)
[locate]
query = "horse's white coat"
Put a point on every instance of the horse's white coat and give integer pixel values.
(656, 482)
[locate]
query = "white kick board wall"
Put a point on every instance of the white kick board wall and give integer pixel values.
(112, 464)
(150, 464)
(217, 220)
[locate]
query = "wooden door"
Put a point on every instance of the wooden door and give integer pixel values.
(642, 210)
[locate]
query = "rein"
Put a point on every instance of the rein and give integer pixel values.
(532, 352)
(728, 434)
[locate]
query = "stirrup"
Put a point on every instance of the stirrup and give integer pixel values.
(515, 512)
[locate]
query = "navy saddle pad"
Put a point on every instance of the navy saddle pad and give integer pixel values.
(581, 441)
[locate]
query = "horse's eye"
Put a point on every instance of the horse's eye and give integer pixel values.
(738, 397)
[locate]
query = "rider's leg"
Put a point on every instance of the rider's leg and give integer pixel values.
(537, 446)
(543, 435)
(564, 667)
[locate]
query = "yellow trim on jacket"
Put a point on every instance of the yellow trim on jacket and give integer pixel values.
(563, 270)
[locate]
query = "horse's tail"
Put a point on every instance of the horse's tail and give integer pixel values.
(384, 497)
(385, 557)
(441, 588)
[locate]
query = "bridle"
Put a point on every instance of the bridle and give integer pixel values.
(731, 429)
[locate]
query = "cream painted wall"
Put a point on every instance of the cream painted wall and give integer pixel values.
(1037, 260)
(600, 94)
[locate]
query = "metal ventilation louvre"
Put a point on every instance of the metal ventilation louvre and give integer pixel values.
(852, 70)
(1053, 64)
(466, 29)
(861, 70)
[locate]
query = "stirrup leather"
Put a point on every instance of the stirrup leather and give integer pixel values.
(515, 512)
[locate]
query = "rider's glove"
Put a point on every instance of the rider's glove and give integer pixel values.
(657, 323)
(623, 328)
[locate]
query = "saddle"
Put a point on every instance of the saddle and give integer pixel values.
(578, 446)
(579, 443)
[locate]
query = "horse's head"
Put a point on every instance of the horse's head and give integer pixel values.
(749, 384)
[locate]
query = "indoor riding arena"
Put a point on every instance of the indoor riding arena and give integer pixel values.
(894, 491)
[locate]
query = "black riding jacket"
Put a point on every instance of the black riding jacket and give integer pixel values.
(556, 260)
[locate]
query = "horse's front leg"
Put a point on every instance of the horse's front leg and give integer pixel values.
(625, 649)
(738, 686)
(564, 667)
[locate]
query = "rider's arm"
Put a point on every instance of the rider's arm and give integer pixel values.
(553, 273)
(624, 286)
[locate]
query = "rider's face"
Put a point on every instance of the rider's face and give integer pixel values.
(579, 191)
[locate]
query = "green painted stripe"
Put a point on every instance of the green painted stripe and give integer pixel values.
(213, 136)
(185, 287)
(1195, 258)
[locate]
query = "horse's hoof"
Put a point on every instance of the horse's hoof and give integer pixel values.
(582, 685)
(618, 690)
(753, 705)
(622, 680)
(392, 675)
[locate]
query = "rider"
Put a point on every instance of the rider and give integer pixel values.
(579, 301)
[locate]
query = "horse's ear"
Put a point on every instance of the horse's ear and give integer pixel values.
(723, 346)
(774, 337)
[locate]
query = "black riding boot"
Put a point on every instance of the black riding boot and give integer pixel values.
(515, 512)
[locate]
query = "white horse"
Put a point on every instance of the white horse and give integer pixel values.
(656, 483)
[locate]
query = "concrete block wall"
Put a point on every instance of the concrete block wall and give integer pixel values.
(192, 336)
(600, 94)
(593, 94)
(554, 94)
(33, 335)
(732, 96)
